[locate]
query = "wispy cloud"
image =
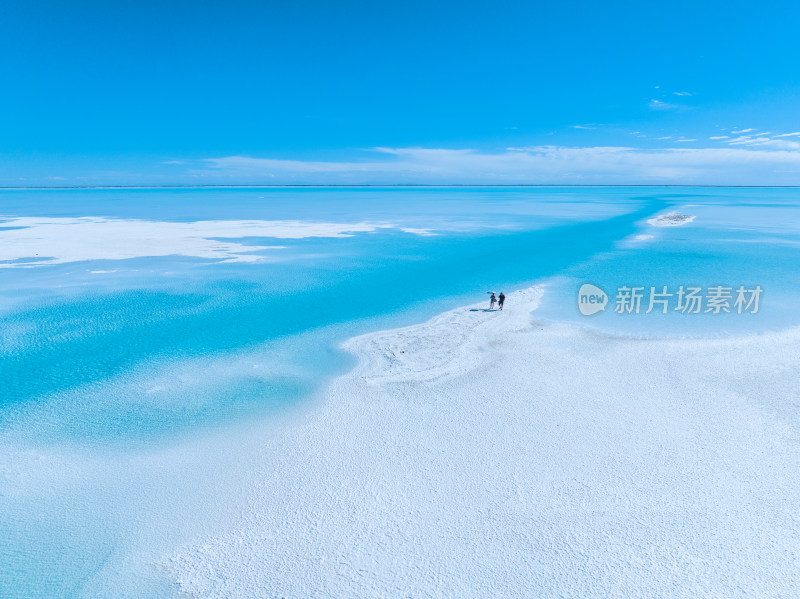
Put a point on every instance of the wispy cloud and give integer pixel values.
(747, 139)
(530, 164)
(795, 134)
(741, 131)
(720, 137)
(659, 105)
(683, 93)
(766, 142)
(584, 126)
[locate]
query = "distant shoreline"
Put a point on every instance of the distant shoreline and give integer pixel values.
(382, 185)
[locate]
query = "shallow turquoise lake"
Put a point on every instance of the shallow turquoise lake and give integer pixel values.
(125, 324)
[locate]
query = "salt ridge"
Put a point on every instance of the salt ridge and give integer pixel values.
(27, 242)
(672, 219)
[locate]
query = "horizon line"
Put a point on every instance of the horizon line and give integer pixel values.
(347, 185)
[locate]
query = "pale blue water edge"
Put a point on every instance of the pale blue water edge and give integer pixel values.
(115, 356)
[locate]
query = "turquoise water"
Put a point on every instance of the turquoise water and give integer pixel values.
(108, 356)
(94, 340)
(740, 238)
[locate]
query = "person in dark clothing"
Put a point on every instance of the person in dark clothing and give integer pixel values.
(491, 301)
(501, 299)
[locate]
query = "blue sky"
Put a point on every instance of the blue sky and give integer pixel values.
(173, 92)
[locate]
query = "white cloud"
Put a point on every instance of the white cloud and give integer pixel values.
(741, 131)
(780, 144)
(720, 137)
(683, 139)
(584, 127)
(530, 164)
(683, 93)
(659, 105)
(795, 134)
(765, 142)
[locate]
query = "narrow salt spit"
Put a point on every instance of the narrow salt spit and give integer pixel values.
(480, 454)
(446, 346)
